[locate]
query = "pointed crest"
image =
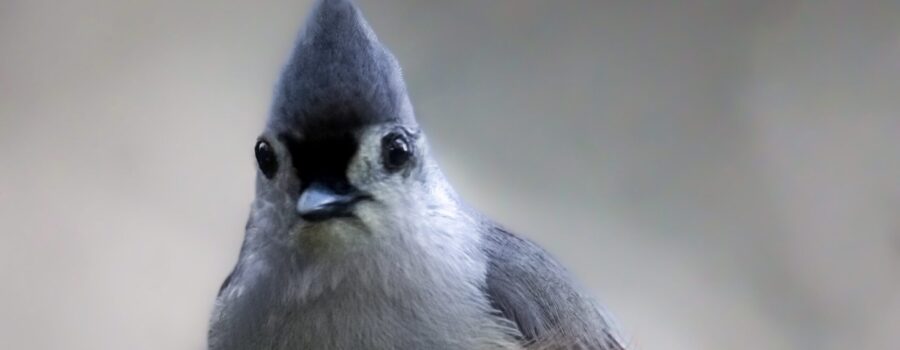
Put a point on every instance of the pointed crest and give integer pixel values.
(339, 77)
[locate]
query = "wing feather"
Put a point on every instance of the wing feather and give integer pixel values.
(536, 293)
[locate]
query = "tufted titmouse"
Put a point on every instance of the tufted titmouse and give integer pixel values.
(355, 239)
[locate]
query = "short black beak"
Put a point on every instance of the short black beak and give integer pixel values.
(319, 202)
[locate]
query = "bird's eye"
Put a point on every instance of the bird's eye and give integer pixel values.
(395, 151)
(265, 158)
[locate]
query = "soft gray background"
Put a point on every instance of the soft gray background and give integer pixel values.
(723, 174)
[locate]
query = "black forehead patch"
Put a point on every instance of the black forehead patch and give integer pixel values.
(326, 120)
(322, 157)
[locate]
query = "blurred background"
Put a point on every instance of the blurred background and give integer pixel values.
(722, 174)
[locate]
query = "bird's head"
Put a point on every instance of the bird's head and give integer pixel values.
(341, 158)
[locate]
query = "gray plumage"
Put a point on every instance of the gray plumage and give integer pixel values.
(356, 241)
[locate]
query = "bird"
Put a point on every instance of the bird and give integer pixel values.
(356, 239)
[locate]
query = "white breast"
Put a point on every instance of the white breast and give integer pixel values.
(406, 292)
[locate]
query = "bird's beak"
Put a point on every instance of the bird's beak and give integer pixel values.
(319, 202)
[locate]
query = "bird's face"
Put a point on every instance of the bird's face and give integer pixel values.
(341, 160)
(335, 187)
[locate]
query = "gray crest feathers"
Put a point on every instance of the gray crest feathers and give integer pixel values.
(339, 76)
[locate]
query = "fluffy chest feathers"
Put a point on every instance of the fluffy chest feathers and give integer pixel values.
(420, 292)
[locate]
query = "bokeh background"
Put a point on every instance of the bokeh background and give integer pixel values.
(722, 174)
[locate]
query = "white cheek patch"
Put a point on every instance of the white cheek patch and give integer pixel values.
(392, 193)
(365, 166)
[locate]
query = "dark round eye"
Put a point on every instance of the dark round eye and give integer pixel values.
(395, 151)
(265, 158)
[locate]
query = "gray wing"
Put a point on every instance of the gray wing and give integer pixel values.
(536, 293)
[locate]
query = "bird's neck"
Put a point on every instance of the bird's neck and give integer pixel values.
(432, 249)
